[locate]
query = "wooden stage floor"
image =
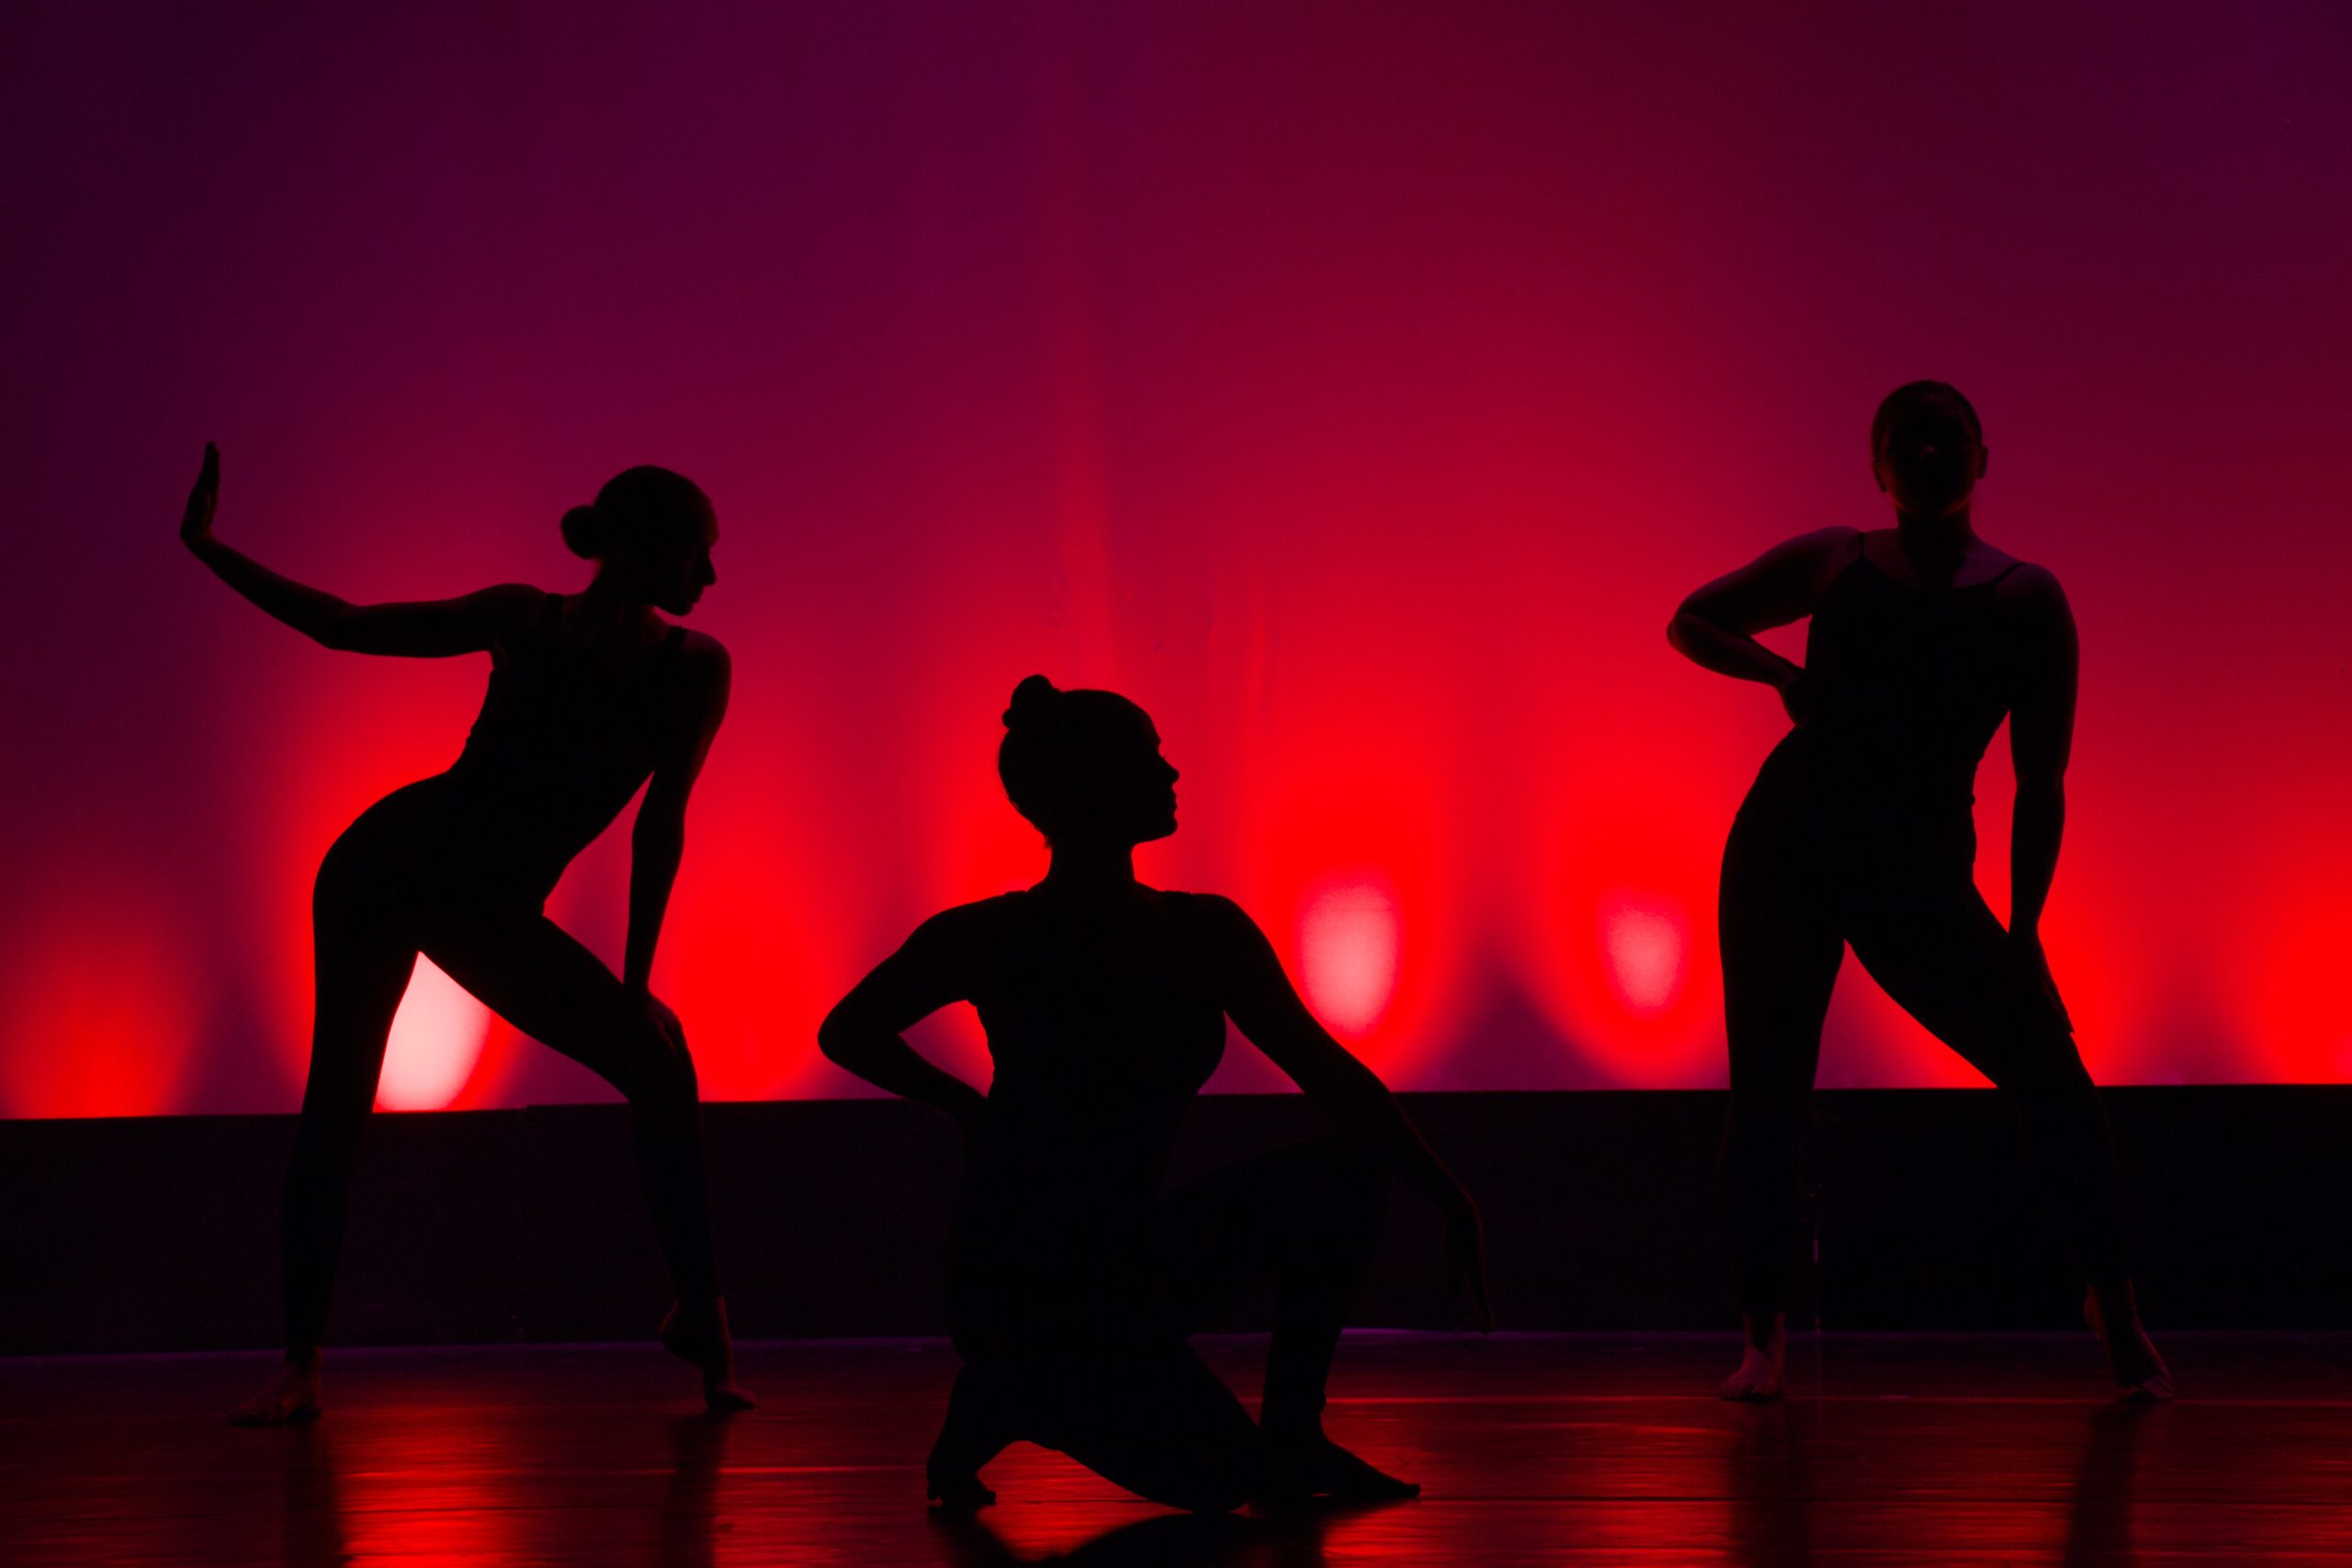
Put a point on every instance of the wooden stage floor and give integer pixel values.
(1532, 1449)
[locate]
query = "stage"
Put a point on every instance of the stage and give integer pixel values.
(1926, 1448)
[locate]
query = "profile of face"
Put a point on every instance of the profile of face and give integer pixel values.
(667, 565)
(1086, 768)
(1926, 453)
(650, 532)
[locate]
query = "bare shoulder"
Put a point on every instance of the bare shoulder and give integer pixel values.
(1836, 539)
(705, 654)
(970, 925)
(512, 605)
(1219, 920)
(1807, 562)
(1815, 553)
(705, 670)
(2030, 586)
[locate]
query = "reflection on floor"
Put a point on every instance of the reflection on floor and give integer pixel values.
(1554, 1448)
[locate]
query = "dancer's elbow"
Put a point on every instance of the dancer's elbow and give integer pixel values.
(840, 1040)
(1681, 629)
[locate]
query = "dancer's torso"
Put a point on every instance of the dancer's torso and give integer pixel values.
(565, 736)
(1101, 1032)
(1908, 686)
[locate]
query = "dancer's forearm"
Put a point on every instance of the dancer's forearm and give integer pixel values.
(655, 849)
(2037, 823)
(1358, 1103)
(1729, 652)
(315, 613)
(888, 1063)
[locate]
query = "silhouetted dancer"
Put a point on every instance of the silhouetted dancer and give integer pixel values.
(1858, 829)
(590, 696)
(1072, 1280)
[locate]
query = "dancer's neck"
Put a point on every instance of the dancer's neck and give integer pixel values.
(1935, 546)
(1090, 870)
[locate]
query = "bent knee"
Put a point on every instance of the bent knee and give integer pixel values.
(2053, 1070)
(655, 1070)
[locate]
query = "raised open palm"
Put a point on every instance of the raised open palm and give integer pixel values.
(203, 500)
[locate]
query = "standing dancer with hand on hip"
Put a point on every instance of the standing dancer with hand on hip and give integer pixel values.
(1858, 829)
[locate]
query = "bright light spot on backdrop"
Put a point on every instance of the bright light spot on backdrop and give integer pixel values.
(437, 1036)
(1349, 938)
(1647, 940)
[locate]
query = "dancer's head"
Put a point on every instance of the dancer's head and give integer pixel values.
(650, 532)
(1927, 449)
(1085, 767)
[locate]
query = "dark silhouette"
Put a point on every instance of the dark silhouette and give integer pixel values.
(590, 696)
(1072, 1281)
(1859, 830)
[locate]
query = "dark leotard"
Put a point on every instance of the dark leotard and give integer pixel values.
(1909, 687)
(563, 739)
(456, 866)
(1073, 1281)
(1097, 1051)
(1858, 829)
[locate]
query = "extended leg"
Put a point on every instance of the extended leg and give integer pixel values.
(1940, 952)
(362, 968)
(533, 973)
(1780, 954)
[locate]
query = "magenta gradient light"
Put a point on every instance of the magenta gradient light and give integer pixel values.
(1357, 385)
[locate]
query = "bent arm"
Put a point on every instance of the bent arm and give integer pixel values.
(1268, 1010)
(1715, 626)
(2041, 733)
(658, 839)
(865, 1033)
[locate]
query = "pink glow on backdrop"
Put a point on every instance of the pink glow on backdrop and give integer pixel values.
(1357, 386)
(437, 1036)
(1647, 939)
(1349, 935)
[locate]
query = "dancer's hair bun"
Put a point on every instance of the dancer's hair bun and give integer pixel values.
(1032, 702)
(585, 534)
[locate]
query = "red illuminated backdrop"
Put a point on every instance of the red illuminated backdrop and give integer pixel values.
(1359, 387)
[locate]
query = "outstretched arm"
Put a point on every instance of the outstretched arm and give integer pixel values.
(1267, 1008)
(430, 629)
(657, 841)
(864, 1034)
(1716, 627)
(2042, 736)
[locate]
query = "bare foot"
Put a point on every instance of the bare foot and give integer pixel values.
(1303, 1469)
(962, 1495)
(293, 1393)
(2141, 1375)
(1762, 1366)
(975, 1432)
(703, 1343)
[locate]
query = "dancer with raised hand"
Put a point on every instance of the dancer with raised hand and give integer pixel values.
(590, 694)
(1858, 829)
(1073, 1281)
